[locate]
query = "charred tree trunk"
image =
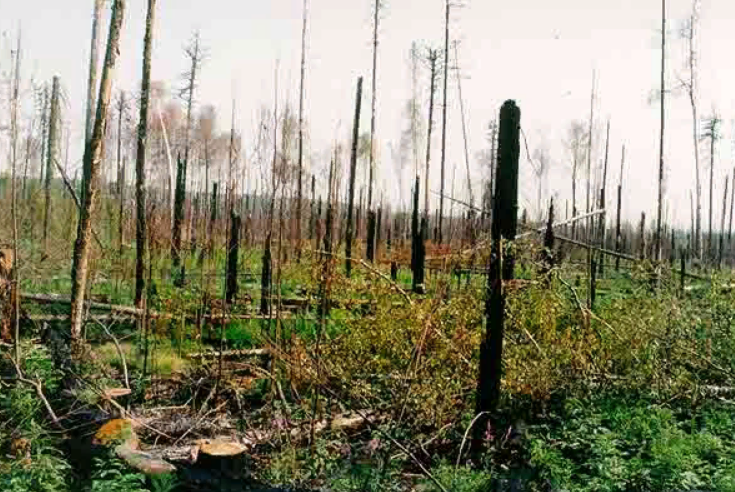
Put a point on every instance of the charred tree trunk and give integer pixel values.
(722, 224)
(312, 208)
(232, 258)
(618, 238)
(732, 205)
(92, 161)
(549, 240)
(353, 171)
(142, 138)
(179, 198)
(378, 229)
(504, 226)
(642, 233)
(208, 251)
(50, 156)
(265, 278)
(371, 222)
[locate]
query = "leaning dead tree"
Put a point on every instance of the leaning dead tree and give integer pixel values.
(92, 160)
(464, 126)
(142, 138)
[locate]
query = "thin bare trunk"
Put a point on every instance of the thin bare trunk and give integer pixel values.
(657, 245)
(464, 129)
(371, 178)
(14, 111)
(51, 155)
(433, 57)
(353, 172)
(92, 81)
(444, 119)
(92, 160)
(142, 139)
(299, 184)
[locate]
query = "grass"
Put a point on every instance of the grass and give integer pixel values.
(611, 404)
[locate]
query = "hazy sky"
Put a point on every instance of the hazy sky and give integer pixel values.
(539, 52)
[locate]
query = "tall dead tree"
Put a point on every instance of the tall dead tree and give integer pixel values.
(659, 208)
(447, 5)
(464, 129)
(299, 183)
(603, 203)
(432, 57)
(353, 172)
(691, 85)
(14, 298)
(50, 157)
(93, 64)
(92, 160)
(195, 55)
(712, 129)
(142, 139)
(618, 237)
(732, 208)
(374, 89)
(504, 226)
(722, 224)
(122, 106)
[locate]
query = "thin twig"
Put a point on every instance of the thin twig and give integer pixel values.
(214, 410)
(119, 351)
(466, 433)
(39, 390)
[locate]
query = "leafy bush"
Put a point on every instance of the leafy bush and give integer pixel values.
(112, 475)
(614, 444)
(44, 471)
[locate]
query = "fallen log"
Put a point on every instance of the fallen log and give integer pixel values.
(230, 354)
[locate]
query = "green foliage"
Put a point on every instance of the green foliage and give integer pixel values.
(462, 479)
(45, 471)
(164, 483)
(618, 444)
(112, 475)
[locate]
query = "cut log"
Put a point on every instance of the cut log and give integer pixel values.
(144, 462)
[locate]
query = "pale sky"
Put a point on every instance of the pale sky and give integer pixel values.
(539, 52)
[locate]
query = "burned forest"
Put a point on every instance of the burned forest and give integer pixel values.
(307, 246)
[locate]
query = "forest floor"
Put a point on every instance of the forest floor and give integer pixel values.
(635, 394)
